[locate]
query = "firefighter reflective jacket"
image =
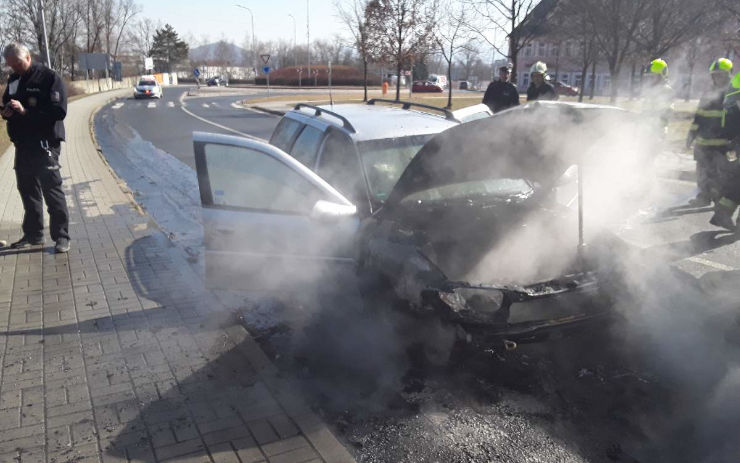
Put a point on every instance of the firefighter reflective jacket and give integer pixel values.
(707, 127)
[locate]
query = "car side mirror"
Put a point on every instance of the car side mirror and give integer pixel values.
(329, 211)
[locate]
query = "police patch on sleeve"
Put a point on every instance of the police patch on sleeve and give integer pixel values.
(55, 97)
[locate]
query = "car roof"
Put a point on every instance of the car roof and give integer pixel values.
(373, 122)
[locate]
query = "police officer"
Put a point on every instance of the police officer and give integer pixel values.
(706, 132)
(501, 94)
(35, 104)
(724, 209)
(539, 88)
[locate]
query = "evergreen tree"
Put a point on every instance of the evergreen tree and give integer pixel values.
(167, 49)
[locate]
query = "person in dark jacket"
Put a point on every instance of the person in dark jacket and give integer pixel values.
(539, 88)
(706, 133)
(501, 94)
(35, 104)
(725, 207)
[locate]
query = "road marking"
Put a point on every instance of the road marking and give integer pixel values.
(171, 104)
(228, 129)
(205, 105)
(118, 105)
(711, 263)
(151, 104)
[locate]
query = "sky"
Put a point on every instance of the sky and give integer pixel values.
(217, 19)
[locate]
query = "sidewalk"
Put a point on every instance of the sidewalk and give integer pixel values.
(116, 352)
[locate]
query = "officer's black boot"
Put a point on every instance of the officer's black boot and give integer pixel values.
(27, 241)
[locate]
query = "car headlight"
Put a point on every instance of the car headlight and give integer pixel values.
(480, 302)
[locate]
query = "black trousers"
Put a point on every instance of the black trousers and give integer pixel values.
(38, 178)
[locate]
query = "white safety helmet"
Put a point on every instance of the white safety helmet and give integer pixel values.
(540, 67)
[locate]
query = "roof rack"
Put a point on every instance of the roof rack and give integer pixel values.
(319, 111)
(408, 104)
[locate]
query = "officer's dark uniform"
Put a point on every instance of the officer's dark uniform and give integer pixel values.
(544, 92)
(501, 95)
(37, 137)
(710, 143)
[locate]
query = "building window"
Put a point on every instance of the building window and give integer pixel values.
(555, 50)
(541, 51)
(525, 80)
(577, 79)
(528, 49)
(564, 78)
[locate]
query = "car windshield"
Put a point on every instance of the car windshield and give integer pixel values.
(475, 191)
(143, 83)
(386, 159)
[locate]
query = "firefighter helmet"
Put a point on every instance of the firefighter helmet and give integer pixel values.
(658, 66)
(721, 65)
(540, 67)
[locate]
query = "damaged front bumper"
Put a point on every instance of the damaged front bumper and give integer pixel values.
(491, 314)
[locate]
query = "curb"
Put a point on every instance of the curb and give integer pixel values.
(274, 112)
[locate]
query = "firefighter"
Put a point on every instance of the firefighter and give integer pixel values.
(707, 134)
(724, 209)
(658, 96)
(35, 104)
(539, 88)
(501, 94)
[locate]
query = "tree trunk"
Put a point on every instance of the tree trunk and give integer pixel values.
(593, 81)
(398, 80)
(364, 79)
(584, 70)
(449, 82)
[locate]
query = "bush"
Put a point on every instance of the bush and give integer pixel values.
(340, 75)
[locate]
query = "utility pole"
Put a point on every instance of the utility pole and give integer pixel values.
(295, 41)
(308, 38)
(46, 37)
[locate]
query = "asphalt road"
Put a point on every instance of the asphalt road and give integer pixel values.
(164, 123)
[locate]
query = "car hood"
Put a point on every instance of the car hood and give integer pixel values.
(538, 141)
(535, 237)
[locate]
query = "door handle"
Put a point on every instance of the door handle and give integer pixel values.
(226, 231)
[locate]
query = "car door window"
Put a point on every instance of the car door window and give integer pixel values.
(284, 134)
(340, 167)
(306, 146)
(240, 177)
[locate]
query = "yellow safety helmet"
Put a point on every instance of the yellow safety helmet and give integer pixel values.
(721, 65)
(658, 66)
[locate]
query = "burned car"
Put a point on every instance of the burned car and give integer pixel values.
(489, 228)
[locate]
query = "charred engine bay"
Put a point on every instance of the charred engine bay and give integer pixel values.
(628, 391)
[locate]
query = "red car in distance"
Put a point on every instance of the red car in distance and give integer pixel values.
(426, 87)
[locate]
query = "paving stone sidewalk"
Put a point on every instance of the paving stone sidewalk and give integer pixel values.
(116, 352)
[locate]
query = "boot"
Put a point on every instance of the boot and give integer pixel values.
(723, 212)
(701, 200)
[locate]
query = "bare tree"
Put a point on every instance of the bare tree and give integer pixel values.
(520, 20)
(117, 16)
(469, 56)
(358, 18)
(669, 23)
(452, 36)
(141, 35)
(579, 36)
(402, 29)
(615, 24)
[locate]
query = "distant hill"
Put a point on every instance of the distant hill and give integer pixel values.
(219, 52)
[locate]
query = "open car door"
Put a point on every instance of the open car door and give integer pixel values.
(269, 222)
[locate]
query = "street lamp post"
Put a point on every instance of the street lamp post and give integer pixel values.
(46, 37)
(295, 40)
(251, 16)
(308, 38)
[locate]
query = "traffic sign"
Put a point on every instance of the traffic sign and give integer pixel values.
(196, 72)
(265, 58)
(266, 69)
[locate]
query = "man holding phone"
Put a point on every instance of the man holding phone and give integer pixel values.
(35, 105)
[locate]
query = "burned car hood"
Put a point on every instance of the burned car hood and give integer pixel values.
(483, 196)
(537, 141)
